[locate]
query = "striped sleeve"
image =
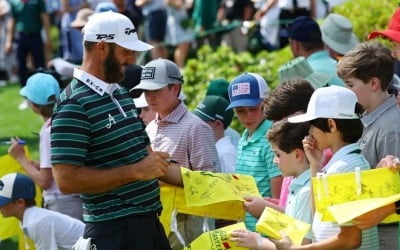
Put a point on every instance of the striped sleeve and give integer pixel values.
(70, 132)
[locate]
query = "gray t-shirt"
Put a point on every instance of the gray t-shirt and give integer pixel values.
(381, 135)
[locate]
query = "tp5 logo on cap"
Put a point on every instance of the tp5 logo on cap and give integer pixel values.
(105, 36)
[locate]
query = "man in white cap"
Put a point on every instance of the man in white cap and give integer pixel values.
(99, 148)
(188, 139)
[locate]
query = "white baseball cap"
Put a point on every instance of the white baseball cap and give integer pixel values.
(141, 102)
(112, 27)
(329, 102)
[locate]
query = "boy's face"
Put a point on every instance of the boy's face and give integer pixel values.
(162, 100)
(8, 209)
(285, 161)
(147, 115)
(320, 137)
(250, 117)
(362, 90)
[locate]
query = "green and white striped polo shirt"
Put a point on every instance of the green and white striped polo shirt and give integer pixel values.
(89, 129)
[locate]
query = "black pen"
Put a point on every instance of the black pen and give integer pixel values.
(172, 161)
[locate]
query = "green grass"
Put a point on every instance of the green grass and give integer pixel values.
(25, 124)
(9, 244)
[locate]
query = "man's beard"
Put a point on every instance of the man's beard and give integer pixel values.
(111, 67)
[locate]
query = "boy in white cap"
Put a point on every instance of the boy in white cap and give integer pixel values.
(372, 218)
(255, 156)
(104, 153)
(368, 71)
(333, 113)
(186, 138)
(146, 114)
(47, 229)
(42, 92)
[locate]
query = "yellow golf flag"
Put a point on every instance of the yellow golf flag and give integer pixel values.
(370, 188)
(217, 239)
(173, 197)
(207, 194)
(205, 188)
(344, 213)
(272, 222)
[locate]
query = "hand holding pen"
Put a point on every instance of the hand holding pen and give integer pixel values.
(16, 150)
(20, 142)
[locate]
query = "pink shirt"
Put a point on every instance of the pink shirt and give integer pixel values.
(187, 139)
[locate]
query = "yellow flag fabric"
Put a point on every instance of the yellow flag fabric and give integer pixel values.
(9, 227)
(217, 239)
(205, 188)
(207, 194)
(370, 188)
(272, 223)
(344, 213)
(173, 197)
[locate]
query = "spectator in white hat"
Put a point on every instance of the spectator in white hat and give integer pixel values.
(104, 153)
(146, 114)
(368, 71)
(334, 115)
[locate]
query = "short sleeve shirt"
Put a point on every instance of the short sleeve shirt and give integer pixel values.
(89, 129)
(51, 230)
(299, 200)
(187, 139)
(27, 15)
(255, 157)
(381, 134)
